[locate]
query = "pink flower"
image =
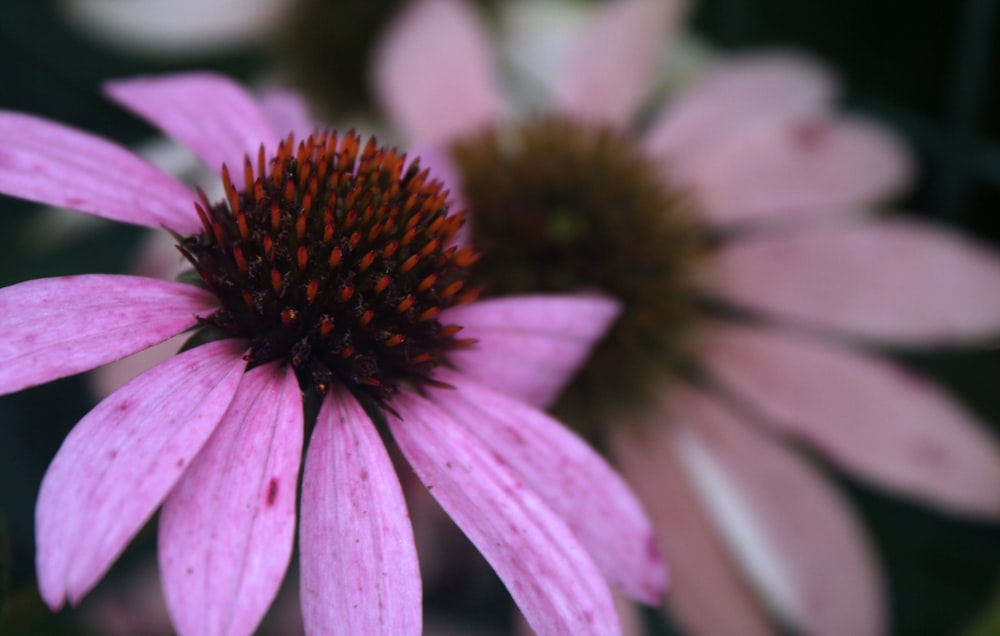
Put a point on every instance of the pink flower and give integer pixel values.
(331, 268)
(748, 325)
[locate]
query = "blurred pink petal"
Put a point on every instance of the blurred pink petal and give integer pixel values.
(359, 562)
(287, 111)
(530, 346)
(709, 595)
(433, 71)
(50, 163)
(790, 529)
(612, 67)
(227, 527)
(571, 478)
(897, 281)
(734, 95)
(548, 573)
(797, 167)
(119, 462)
(211, 114)
(56, 327)
(866, 413)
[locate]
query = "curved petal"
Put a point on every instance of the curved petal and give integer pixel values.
(288, 112)
(176, 28)
(210, 114)
(735, 94)
(359, 561)
(433, 71)
(548, 573)
(55, 327)
(897, 281)
(709, 595)
(571, 478)
(119, 462)
(50, 163)
(867, 414)
(797, 168)
(612, 68)
(530, 346)
(227, 527)
(791, 531)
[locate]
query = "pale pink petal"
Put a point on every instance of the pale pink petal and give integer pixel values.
(433, 71)
(210, 114)
(571, 478)
(867, 414)
(547, 572)
(895, 281)
(358, 559)
(118, 463)
(735, 94)
(55, 327)
(611, 70)
(530, 346)
(227, 527)
(791, 531)
(709, 595)
(799, 167)
(287, 111)
(53, 164)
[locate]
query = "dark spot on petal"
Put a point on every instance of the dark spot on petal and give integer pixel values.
(272, 492)
(180, 462)
(810, 135)
(112, 454)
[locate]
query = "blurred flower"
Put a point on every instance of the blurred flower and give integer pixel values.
(734, 224)
(329, 268)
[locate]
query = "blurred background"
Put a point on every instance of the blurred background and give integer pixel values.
(927, 68)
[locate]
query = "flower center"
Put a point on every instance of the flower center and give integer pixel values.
(336, 262)
(561, 206)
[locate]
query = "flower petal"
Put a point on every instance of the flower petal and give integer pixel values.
(288, 112)
(55, 327)
(794, 535)
(797, 167)
(571, 478)
(119, 462)
(709, 595)
(548, 573)
(735, 94)
(211, 114)
(611, 70)
(896, 281)
(433, 71)
(530, 346)
(227, 528)
(359, 561)
(867, 414)
(50, 163)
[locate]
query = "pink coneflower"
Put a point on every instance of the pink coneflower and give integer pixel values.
(330, 268)
(735, 228)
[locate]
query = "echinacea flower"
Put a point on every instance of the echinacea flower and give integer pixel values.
(735, 225)
(331, 268)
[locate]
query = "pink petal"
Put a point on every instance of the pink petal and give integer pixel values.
(867, 414)
(797, 167)
(709, 595)
(210, 114)
(50, 163)
(571, 478)
(433, 71)
(548, 573)
(792, 532)
(530, 346)
(119, 462)
(55, 327)
(611, 70)
(287, 111)
(734, 95)
(227, 528)
(895, 281)
(359, 561)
